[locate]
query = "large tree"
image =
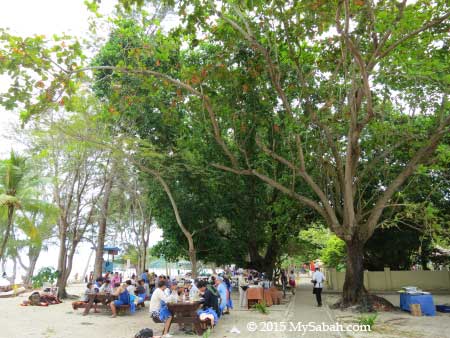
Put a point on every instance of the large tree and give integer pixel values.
(344, 84)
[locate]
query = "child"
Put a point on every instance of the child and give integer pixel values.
(89, 291)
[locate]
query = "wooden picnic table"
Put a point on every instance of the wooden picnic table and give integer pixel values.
(186, 313)
(103, 298)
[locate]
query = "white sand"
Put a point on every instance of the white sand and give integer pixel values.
(60, 321)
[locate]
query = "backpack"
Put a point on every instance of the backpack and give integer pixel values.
(144, 333)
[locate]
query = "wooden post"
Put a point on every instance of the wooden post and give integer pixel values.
(388, 278)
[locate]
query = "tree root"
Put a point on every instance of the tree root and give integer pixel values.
(368, 303)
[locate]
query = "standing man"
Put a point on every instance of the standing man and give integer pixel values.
(243, 286)
(145, 278)
(318, 278)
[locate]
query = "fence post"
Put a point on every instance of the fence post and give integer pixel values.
(366, 280)
(333, 279)
(388, 278)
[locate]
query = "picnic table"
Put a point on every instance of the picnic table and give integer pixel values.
(255, 294)
(103, 298)
(186, 313)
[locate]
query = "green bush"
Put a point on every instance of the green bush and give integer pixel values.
(261, 307)
(368, 320)
(45, 275)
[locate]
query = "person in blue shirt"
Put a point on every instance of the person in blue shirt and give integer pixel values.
(123, 299)
(222, 288)
(144, 277)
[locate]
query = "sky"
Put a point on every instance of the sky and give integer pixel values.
(46, 17)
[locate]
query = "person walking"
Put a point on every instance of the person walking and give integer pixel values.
(317, 279)
(284, 281)
(292, 283)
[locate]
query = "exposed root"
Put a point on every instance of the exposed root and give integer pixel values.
(368, 303)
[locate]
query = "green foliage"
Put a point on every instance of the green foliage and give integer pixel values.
(261, 308)
(207, 333)
(334, 253)
(368, 321)
(45, 275)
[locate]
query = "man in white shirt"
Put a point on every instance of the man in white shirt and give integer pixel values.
(193, 291)
(318, 278)
(155, 306)
(106, 287)
(243, 286)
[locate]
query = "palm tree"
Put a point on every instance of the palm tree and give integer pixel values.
(36, 223)
(12, 173)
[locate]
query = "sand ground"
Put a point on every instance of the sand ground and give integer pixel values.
(60, 321)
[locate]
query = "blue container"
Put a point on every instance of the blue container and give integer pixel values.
(443, 308)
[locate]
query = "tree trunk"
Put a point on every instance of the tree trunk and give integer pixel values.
(102, 227)
(193, 260)
(62, 258)
(354, 291)
(87, 265)
(12, 279)
(33, 256)
(7, 231)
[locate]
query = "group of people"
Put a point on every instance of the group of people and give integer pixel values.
(127, 293)
(215, 295)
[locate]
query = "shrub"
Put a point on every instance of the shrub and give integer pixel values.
(45, 275)
(368, 321)
(261, 307)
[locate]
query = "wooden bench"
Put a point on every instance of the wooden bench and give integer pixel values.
(123, 308)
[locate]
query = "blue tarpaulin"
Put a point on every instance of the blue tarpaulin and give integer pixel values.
(425, 301)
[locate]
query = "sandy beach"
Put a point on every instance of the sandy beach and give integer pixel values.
(61, 321)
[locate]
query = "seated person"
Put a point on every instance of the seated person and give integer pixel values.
(172, 291)
(210, 304)
(124, 299)
(193, 290)
(158, 310)
(85, 299)
(98, 284)
(106, 287)
(130, 287)
(115, 286)
(140, 292)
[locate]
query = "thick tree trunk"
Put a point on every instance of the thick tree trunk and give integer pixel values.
(354, 291)
(7, 231)
(193, 260)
